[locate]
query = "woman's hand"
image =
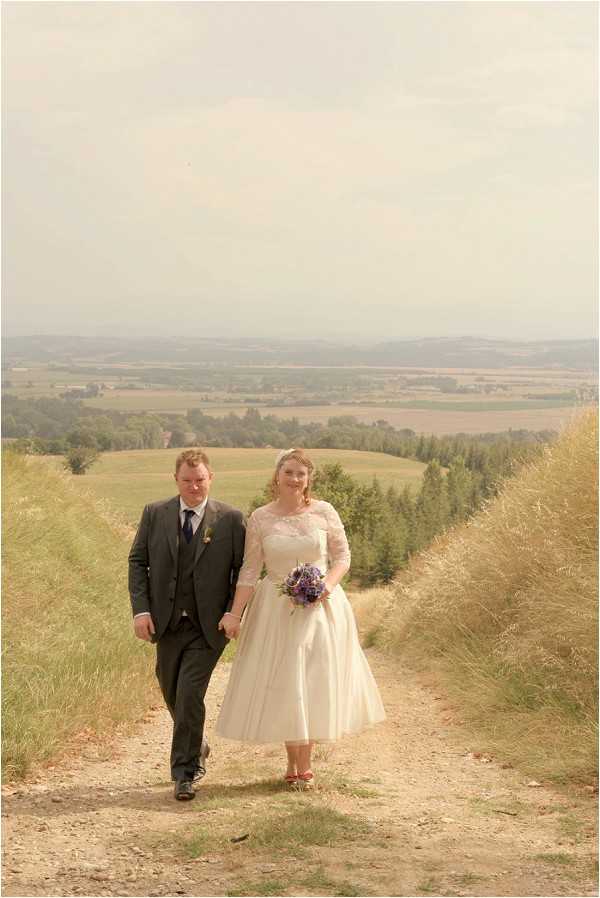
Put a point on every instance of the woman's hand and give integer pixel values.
(230, 623)
(326, 592)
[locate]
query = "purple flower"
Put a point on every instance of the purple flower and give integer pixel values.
(303, 585)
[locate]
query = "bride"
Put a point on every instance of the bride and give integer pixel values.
(298, 677)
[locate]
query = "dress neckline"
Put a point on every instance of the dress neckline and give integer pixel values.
(297, 514)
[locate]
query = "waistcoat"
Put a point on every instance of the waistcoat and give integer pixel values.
(185, 597)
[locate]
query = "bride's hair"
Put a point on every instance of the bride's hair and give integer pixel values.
(302, 458)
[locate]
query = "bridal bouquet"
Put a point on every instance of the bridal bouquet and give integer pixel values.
(303, 585)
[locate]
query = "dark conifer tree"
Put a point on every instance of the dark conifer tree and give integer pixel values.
(432, 505)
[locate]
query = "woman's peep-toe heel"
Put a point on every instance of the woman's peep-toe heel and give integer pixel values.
(305, 780)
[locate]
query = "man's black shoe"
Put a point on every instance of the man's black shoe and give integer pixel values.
(184, 790)
(201, 768)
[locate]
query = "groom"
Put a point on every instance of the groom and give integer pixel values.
(183, 568)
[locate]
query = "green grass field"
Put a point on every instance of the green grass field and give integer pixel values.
(129, 480)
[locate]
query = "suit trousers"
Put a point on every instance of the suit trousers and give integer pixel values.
(184, 664)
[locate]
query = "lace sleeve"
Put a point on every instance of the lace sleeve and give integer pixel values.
(253, 555)
(337, 542)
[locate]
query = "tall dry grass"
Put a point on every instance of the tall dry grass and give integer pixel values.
(504, 608)
(70, 661)
(370, 607)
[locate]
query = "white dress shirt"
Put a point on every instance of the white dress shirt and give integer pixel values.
(198, 509)
(196, 521)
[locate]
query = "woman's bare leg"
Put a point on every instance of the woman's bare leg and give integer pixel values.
(304, 755)
(292, 758)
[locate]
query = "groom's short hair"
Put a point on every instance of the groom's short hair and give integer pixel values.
(192, 457)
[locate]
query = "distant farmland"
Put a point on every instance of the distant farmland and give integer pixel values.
(129, 480)
(427, 400)
(423, 416)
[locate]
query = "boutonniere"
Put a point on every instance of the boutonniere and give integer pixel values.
(207, 535)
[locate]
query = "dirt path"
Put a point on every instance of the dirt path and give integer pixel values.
(410, 811)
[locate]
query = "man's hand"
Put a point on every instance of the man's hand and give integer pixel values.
(143, 627)
(231, 625)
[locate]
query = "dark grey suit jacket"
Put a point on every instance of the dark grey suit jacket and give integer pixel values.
(153, 564)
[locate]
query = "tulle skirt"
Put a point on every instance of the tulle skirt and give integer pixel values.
(298, 677)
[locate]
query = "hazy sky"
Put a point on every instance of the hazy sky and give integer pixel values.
(390, 169)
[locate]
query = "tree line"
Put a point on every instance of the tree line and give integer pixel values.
(51, 426)
(386, 527)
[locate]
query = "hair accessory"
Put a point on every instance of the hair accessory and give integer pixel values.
(282, 455)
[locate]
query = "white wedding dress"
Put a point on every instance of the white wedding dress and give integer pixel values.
(296, 677)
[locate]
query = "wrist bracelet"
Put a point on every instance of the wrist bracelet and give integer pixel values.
(231, 614)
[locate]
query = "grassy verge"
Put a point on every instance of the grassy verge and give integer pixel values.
(70, 663)
(503, 611)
